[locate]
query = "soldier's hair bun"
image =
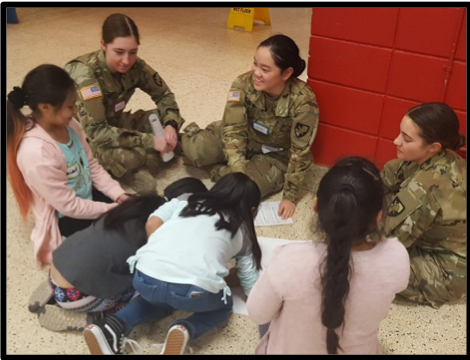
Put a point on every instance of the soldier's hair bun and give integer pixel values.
(300, 67)
(460, 141)
(18, 97)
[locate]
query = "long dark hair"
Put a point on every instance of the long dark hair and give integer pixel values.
(139, 208)
(438, 123)
(350, 196)
(184, 186)
(233, 197)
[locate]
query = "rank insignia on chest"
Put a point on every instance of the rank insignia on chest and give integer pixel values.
(301, 129)
(396, 207)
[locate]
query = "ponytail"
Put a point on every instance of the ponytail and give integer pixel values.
(45, 84)
(350, 196)
(16, 128)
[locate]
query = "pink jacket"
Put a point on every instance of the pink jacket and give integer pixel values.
(44, 168)
(288, 294)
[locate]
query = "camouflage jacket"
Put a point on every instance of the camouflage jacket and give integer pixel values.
(427, 205)
(102, 98)
(288, 124)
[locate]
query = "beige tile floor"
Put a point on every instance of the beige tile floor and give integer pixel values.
(199, 57)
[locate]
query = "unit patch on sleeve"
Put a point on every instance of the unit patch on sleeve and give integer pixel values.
(90, 92)
(396, 207)
(301, 129)
(233, 96)
(157, 79)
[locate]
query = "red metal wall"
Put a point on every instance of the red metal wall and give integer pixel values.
(367, 67)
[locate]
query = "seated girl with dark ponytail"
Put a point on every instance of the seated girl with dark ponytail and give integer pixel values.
(50, 166)
(330, 297)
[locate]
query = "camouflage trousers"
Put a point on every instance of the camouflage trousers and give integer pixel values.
(120, 161)
(430, 284)
(204, 149)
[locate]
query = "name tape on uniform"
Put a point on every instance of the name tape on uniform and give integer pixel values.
(261, 128)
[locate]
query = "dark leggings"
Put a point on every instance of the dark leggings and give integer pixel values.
(68, 225)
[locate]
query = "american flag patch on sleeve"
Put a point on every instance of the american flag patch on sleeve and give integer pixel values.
(90, 92)
(233, 96)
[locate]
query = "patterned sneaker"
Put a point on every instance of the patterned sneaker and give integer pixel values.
(55, 318)
(40, 297)
(106, 337)
(176, 340)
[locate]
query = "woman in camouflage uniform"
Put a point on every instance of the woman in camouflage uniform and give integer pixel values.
(268, 127)
(427, 200)
(123, 142)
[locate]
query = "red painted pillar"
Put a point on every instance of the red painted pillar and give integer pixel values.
(368, 66)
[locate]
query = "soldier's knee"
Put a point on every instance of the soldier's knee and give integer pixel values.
(202, 148)
(122, 161)
(269, 178)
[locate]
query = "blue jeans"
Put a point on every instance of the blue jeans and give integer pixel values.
(159, 299)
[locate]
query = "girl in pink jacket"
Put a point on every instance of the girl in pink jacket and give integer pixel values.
(50, 166)
(330, 297)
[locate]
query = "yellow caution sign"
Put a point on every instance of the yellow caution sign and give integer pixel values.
(244, 17)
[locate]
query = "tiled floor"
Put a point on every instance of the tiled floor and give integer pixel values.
(199, 57)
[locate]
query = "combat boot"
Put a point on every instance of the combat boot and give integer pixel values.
(153, 163)
(141, 181)
(216, 171)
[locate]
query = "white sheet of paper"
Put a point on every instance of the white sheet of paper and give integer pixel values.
(267, 246)
(267, 215)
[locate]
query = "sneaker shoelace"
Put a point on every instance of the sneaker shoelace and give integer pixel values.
(136, 348)
(160, 347)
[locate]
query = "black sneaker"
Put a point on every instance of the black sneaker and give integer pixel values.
(105, 337)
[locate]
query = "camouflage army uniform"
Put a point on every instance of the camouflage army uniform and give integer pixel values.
(119, 140)
(427, 212)
(267, 139)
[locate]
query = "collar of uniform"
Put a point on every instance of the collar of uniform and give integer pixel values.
(282, 105)
(430, 163)
(112, 84)
(405, 172)
(410, 168)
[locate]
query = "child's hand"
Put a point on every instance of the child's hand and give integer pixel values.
(123, 197)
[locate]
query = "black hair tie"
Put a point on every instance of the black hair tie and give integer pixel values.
(348, 187)
(18, 97)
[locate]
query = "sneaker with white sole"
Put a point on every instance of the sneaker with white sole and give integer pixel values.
(55, 318)
(106, 337)
(176, 340)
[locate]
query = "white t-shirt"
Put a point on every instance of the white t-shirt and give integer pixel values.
(189, 250)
